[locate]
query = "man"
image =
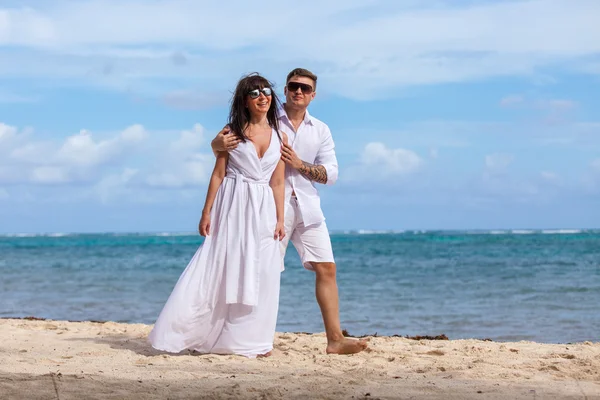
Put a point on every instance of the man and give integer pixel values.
(309, 157)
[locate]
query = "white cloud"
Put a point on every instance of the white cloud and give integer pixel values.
(11, 98)
(511, 101)
(582, 135)
(433, 153)
(192, 171)
(552, 180)
(555, 105)
(33, 152)
(497, 184)
(591, 178)
(7, 133)
(498, 162)
(108, 163)
(11, 174)
(78, 158)
(77, 151)
(377, 45)
(182, 165)
(50, 175)
(393, 161)
(378, 162)
(134, 22)
(107, 167)
(82, 150)
(452, 136)
(189, 141)
(115, 185)
(550, 177)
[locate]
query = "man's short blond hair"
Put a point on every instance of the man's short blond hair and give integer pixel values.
(302, 72)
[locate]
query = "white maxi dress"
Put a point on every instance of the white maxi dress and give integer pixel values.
(227, 298)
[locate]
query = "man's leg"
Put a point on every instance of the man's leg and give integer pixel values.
(327, 296)
(314, 247)
(289, 223)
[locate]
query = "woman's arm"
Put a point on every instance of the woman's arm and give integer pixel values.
(277, 183)
(216, 179)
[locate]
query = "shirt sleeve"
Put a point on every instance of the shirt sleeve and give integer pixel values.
(326, 157)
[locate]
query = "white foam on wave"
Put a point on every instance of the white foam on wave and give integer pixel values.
(371, 232)
(173, 234)
(560, 231)
(522, 231)
(364, 232)
(148, 234)
(31, 235)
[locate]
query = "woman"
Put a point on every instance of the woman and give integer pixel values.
(227, 298)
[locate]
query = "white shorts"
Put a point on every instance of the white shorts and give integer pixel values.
(312, 242)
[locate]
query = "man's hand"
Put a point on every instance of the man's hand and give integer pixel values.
(224, 141)
(316, 173)
(289, 156)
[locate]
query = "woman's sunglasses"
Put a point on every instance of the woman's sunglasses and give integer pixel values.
(294, 86)
(254, 94)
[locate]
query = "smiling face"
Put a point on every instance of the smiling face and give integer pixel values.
(258, 101)
(253, 99)
(299, 91)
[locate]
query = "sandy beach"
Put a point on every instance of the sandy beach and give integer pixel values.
(45, 359)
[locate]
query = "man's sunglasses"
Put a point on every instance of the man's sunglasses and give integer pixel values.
(254, 94)
(294, 86)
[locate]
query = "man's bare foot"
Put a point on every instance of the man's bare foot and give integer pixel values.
(346, 346)
(267, 354)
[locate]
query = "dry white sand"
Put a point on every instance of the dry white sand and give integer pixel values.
(87, 360)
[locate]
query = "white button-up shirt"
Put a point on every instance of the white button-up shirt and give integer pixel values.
(312, 143)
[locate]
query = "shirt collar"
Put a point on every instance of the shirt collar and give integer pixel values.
(308, 119)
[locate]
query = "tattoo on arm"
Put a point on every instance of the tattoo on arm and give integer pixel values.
(316, 173)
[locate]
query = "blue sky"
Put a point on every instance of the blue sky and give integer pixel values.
(445, 114)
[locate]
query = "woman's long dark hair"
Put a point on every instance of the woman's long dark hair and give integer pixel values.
(239, 116)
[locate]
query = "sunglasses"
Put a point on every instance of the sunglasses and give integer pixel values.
(254, 94)
(294, 86)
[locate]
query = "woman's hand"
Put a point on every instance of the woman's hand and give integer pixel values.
(204, 225)
(279, 231)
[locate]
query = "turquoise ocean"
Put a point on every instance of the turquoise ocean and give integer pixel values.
(503, 285)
